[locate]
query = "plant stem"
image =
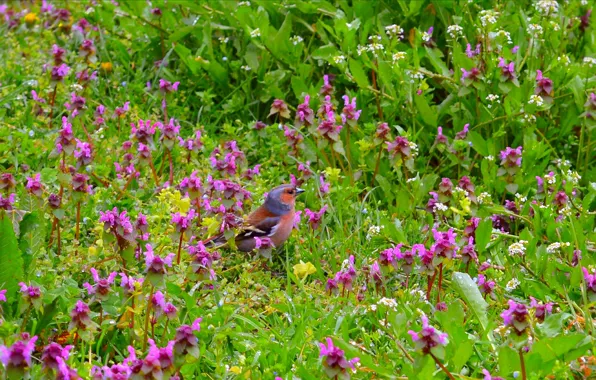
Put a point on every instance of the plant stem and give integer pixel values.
(52, 105)
(377, 165)
(171, 168)
(147, 316)
(445, 369)
(440, 282)
(153, 171)
(77, 229)
(523, 364)
(179, 248)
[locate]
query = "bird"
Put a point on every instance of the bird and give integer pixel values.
(273, 219)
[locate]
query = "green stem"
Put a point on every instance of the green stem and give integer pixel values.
(147, 317)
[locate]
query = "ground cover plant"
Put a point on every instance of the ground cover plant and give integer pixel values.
(446, 149)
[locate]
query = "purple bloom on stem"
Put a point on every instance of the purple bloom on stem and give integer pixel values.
(7, 182)
(428, 338)
(83, 153)
(186, 341)
(516, 317)
(468, 252)
(328, 128)
(121, 111)
(399, 147)
(79, 183)
(129, 284)
(167, 87)
(461, 135)
(335, 362)
(511, 159)
(263, 243)
(486, 286)
(541, 310)
(304, 114)
(441, 139)
(18, 356)
(31, 294)
(590, 280)
(471, 227)
(349, 114)
(472, 52)
(183, 222)
(326, 88)
(192, 144)
(258, 125)
(515, 49)
(507, 70)
(34, 185)
(143, 131)
(445, 245)
(66, 140)
(382, 132)
(58, 54)
(6, 203)
(169, 133)
(59, 72)
(293, 139)
(544, 86)
(488, 376)
(470, 76)
(3, 295)
(560, 199)
(155, 264)
(101, 289)
(80, 318)
(52, 352)
(281, 108)
(315, 218)
(323, 186)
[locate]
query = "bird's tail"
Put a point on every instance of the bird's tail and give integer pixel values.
(215, 241)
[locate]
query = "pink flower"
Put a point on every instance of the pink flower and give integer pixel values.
(468, 252)
(327, 88)
(34, 185)
(80, 318)
(470, 76)
(323, 186)
(263, 243)
(101, 289)
(186, 341)
(79, 183)
(155, 264)
(144, 130)
(399, 147)
(428, 338)
(315, 218)
(169, 133)
(121, 111)
(83, 153)
(52, 352)
(7, 182)
(58, 54)
(130, 283)
(441, 139)
(281, 108)
(461, 135)
(6, 203)
(66, 139)
(486, 287)
(349, 114)
(544, 86)
(192, 144)
(428, 260)
(294, 139)
(59, 72)
(472, 53)
(541, 310)
(516, 317)
(507, 70)
(590, 280)
(328, 128)
(181, 222)
(382, 132)
(167, 87)
(18, 356)
(445, 245)
(335, 362)
(3, 295)
(511, 159)
(304, 114)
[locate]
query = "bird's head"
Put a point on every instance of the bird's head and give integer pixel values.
(282, 198)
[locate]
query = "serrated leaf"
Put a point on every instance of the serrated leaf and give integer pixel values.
(468, 290)
(11, 260)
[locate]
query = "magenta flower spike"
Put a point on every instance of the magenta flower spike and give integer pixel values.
(335, 363)
(429, 339)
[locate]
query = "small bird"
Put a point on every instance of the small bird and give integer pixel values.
(273, 219)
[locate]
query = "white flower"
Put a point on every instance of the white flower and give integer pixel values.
(555, 247)
(375, 38)
(361, 49)
(373, 231)
(551, 179)
(484, 198)
(518, 248)
(535, 30)
(493, 97)
(375, 47)
(255, 33)
(536, 99)
(426, 37)
(245, 68)
(520, 198)
(245, 3)
(512, 284)
(547, 7)
(394, 31)
(528, 118)
(590, 61)
(372, 307)
(490, 158)
(555, 26)
(224, 40)
(398, 56)
(76, 87)
(455, 31)
(339, 59)
(296, 40)
(564, 59)
(573, 176)
(389, 302)
(440, 207)
(413, 148)
(488, 17)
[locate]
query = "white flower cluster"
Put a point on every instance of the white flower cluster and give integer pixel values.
(518, 248)
(295, 40)
(490, 158)
(492, 98)
(389, 302)
(590, 61)
(550, 179)
(373, 231)
(413, 148)
(426, 37)
(536, 99)
(255, 33)
(398, 56)
(564, 60)
(528, 118)
(455, 31)
(488, 17)
(484, 198)
(339, 59)
(512, 285)
(555, 247)
(245, 68)
(573, 176)
(394, 31)
(520, 198)
(224, 40)
(440, 207)
(547, 7)
(556, 27)
(535, 30)
(501, 33)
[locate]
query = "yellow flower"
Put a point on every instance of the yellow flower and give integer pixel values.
(92, 251)
(332, 174)
(106, 67)
(30, 18)
(304, 269)
(235, 370)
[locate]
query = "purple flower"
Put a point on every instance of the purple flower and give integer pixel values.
(34, 185)
(157, 361)
(516, 317)
(80, 318)
(101, 289)
(119, 224)
(441, 139)
(129, 284)
(399, 147)
(584, 21)
(281, 108)
(3, 295)
(511, 159)
(488, 376)
(468, 252)
(59, 72)
(304, 114)
(263, 243)
(181, 222)
(52, 352)
(192, 185)
(487, 287)
(250, 174)
(293, 139)
(7, 182)
(472, 53)
(258, 125)
(382, 132)
(169, 133)
(79, 183)
(468, 77)
(470, 229)
(186, 341)
(323, 186)
(335, 363)
(590, 279)
(428, 338)
(560, 199)
(331, 286)
(167, 87)
(507, 70)
(87, 49)
(349, 114)
(192, 144)
(541, 310)
(18, 356)
(445, 245)
(544, 86)
(445, 189)
(144, 130)
(315, 218)
(428, 259)
(461, 135)
(121, 111)
(515, 49)
(155, 264)
(203, 260)
(58, 54)
(328, 128)
(66, 139)
(83, 153)
(31, 294)
(327, 88)
(6, 203)
(389, 256)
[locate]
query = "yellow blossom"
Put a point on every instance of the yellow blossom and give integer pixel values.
(333, 174)
(182, 204)
(235, 370)
(106, 67)
(30, 18)
(304, 269)
(92, 251)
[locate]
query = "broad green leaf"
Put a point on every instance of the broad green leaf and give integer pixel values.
(358, 73)
(429, 116)
(478, 143)
(468, 290)
(483, 233)
(11, 260)
(31, 239)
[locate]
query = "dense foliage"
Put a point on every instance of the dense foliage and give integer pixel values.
(446, 149)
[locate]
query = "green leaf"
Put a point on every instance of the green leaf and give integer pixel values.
(468, 290)
(429, 116)
(11, 260)
(31, 239)
(478, 143)
(483, 232)
(434, 56)
(325, 52)
(358, 73)
(553, 324)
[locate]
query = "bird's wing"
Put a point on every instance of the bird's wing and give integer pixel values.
(265, 227)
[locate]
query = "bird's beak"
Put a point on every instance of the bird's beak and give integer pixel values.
(299, 191)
